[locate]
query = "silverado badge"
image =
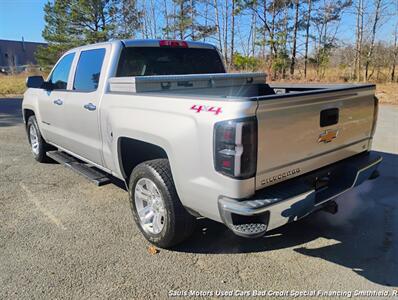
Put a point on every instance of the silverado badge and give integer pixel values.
(328, 135)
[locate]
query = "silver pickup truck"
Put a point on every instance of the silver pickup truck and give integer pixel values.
(189, 140)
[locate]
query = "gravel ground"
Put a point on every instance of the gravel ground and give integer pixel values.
(63, 237)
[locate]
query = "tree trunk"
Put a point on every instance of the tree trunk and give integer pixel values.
(273, 50)
(251, 36)
(166, 19)
(358, 43)
(254, 34)
(231, 56)
(206, 17)
(264, 31)
(373, 37)
(145, 22)
(225, 32)
(174, 22)
(181, 25)
(154, 32)
(293, 61)
(285, 35)
(307, 36)
(192, 11)
(220, 47)
(395, 54)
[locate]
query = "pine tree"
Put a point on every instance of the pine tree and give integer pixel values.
(71, 23)
(130, 19)
(57, 32)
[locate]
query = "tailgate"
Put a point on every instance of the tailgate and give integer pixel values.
(301, 132)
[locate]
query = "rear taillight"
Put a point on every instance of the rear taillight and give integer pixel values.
(235, 147)
(173, 44)
(375, 113)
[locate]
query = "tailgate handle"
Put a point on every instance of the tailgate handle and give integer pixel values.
(329, 117)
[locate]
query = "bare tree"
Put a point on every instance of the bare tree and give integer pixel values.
(154, 22)
(295, 28)
(206, 16)
(271, 32)
(149, 22)
(378, 5)
(232, 32)
(266, 25)
(218, 27)
(264, 32)
(166, 19)
(395, 53)
(225, 30)
(282, 53)
(326, 20)
(359, 39)
(253, 30)
(307, 35)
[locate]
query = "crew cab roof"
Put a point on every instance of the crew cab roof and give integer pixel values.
(155, 43)
(143, 43)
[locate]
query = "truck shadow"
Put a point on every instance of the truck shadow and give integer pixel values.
(10, 112)
(362, 236)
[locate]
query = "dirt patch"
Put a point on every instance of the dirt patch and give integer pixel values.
(387, 93)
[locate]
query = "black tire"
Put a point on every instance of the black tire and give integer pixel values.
(178, 224)
(43, 147)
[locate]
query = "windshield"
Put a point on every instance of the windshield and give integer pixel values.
(144, 61)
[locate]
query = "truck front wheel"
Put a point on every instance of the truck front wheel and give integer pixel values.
(156, 208)
(37, 144)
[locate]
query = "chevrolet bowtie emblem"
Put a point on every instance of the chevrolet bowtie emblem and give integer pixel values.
(328, 135)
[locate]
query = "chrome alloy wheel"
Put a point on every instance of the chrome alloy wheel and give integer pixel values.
(150, 206)
(34, 140)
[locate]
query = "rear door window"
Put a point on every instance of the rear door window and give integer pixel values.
(144, 61)
(59, 75)
(88, 70)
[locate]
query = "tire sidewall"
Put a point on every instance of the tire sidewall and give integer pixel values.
(162, 238)
(32, 122)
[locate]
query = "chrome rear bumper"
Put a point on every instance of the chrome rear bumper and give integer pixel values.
(294, 199)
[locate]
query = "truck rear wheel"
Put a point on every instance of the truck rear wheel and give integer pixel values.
(156, 208)
(37, 144)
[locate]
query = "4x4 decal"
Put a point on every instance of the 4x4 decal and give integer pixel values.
(204, 108)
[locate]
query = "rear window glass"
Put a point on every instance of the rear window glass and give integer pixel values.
(144, 61)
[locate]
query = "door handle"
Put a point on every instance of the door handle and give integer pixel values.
(58, 102)
(90, 106)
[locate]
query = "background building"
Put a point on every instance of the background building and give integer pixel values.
(16, 56)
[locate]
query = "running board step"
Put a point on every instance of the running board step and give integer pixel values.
(91, 173)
